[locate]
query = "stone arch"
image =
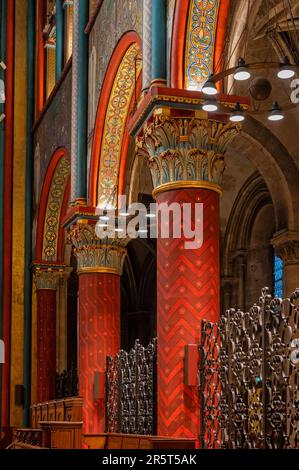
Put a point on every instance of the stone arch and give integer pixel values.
(53, 205)
(252, 213)
(278, 170)
(111, 137)
(197, 51)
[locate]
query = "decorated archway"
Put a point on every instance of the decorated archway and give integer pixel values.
(53, 204)
(197, 41)
(48, 270)
(120, 90)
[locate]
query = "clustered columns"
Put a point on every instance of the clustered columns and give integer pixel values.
(286, 244)
(186, 158)
(100, 264)
(46, 279)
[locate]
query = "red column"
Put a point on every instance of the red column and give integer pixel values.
(99, 336)
(46, 344)
(188, 284)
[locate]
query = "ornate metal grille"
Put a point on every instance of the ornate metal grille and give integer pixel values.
(249, 376)
(131, 390)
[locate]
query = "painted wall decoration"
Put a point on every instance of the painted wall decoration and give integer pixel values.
(200, 42)
(114, 127)
(54, 206)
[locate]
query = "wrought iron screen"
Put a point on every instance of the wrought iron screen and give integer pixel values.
(249, 376)
(131, 390)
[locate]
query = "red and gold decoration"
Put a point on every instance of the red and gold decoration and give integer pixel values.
(185, 152)
(100, 265)
(46, 279)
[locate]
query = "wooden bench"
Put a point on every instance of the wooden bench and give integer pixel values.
(136, 441)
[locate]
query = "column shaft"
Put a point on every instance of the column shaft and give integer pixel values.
(99, 336)
(46, 344)
(188, 290)
(159, 42)
(79, 102)
(59, 38)
(146, 44)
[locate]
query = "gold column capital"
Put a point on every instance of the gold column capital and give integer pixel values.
(95, 255)
(185, 152)
(47, 277)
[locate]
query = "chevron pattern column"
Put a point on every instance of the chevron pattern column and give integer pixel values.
(99, 267)
(188, 284)
(186, 159)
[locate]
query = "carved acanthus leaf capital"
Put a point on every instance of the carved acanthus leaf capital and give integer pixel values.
(186, 149)
(95, 254)
(47, 277)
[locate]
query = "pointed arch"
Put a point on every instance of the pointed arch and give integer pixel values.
(111, 138)
(53, 205)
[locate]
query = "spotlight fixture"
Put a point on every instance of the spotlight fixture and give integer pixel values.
(275, 114)
(238, 114)
(285, 70)
(209, 87)
(210, 106)
(242, 73)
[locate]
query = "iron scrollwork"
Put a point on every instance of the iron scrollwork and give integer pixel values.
(131, 390)
(249, 376)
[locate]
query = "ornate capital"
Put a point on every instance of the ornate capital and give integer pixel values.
(286, 246)
(94, 254)
(186, 152)
(47, 277)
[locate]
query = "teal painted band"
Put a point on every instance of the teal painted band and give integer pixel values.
(2, 142)
(28, 211)
(82, 99)
(159, 39)
(59, 39)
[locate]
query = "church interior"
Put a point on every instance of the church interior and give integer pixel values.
(140, 342)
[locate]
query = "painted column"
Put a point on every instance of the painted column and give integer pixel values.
(46, 281)
(99, 267)
(159, 27)
(286, 246)
(146, 44)
(79, 102)
(59, 39)
(186, 162)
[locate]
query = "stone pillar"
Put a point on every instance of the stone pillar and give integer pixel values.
(47, 281)
(100, 266)
(186, 161)
(286, 246)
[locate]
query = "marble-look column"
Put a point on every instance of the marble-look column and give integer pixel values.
(100, 264)
(159, 27)
(47, 281)
(186, 159)
(79, 103)
(286, 246)
(146, 44)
